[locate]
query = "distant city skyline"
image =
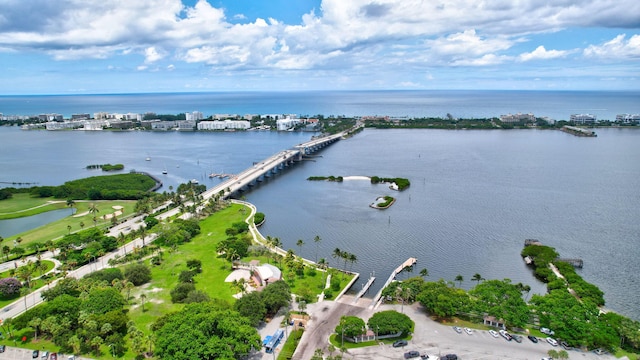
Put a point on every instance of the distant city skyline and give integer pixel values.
(119, 46)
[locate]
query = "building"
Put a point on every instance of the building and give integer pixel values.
(517, 118)
(286, 124)
(80, 117)
(224, 125)
(194, 116)
(627, 118)
(583, 119)
(50, 117)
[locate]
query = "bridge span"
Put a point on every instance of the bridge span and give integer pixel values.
(270, 166)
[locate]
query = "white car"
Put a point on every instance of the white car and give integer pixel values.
(468, 331)
(494, 333)
(552, 341)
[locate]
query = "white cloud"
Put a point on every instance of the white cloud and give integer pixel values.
(616, 48)
(485, 60)
(151, 55)
(540, 53)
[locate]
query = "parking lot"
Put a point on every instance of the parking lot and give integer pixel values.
(435, 339)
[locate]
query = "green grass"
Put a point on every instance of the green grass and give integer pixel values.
(165, 276)
(290, 345)
(24, 205)
(59, 228)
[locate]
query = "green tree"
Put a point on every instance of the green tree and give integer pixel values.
(424, 272)
(300, 243)
(350, 326)
(459, 279)
(138, 274)
(390, 322)
(442, 300)
(251, 306)
(71, 204)
(317, 240)
(204, 331)
(477, 277)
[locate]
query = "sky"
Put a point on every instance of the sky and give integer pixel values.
(142, 46)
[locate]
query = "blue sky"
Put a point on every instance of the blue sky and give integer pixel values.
(124, 46)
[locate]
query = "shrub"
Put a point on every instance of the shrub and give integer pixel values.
(10, 287)
(186, 276)
(138, 274)
(181, 291)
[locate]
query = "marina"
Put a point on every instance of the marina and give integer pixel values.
(410, 262)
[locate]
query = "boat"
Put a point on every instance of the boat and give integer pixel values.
(164, 172)
(193, 181)
(147, 159)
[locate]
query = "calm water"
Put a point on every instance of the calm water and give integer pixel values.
(555, 104)
(12, 227)
(475, 195)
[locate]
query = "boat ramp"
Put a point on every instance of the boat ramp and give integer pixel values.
(409, 263)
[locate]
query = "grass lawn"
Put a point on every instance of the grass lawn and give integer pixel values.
(24, 205)
(59, 228)
(290, 345)
(165, 276)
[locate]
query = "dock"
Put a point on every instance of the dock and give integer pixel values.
(410, 262)
(365, 287)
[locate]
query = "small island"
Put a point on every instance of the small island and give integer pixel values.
(398, 184)
(383, 202)
(106, 167)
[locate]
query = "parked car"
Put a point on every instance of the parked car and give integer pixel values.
(457, 329)
(505, 335)
(35, 354)
(53, 356)
(565, 345)
(411, 354)
(45, 355)
(533, 338)
(449, 357)
(547, 331)
(552, 341)
(468, 331)
(517, 338)
(493, 333)
(400, 343)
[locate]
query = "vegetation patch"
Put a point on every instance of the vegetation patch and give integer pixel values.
(326, 178)
(106, 167)
(401, 183)
(383, 202)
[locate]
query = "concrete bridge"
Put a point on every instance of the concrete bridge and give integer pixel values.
(270, 166)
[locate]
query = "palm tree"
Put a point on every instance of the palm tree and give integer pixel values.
(81, 225)
(352, 259)
(459, 279)
(93, 209)
(424, 272)
(143, 297)
(299, 243)
(71, 204)
(317, 241)
(68, 229)
(477, 277)
(128, 285)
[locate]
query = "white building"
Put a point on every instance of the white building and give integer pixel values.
(627, 118)
(224, 125)
(286, 124)
(583, 118)
(517, 118)
(194, 116)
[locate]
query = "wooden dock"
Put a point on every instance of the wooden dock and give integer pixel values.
(365, 287)
(410, 262)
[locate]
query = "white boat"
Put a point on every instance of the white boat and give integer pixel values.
(147, 159)
(193, 181)
(164, 172)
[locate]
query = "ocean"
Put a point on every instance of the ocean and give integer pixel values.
(557, 105)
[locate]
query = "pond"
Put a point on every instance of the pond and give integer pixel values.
(12, 227)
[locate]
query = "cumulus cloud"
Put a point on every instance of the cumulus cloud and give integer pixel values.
(540, 53)
(339, 33)
(616, 48)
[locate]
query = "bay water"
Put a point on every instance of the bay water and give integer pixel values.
(475, 196)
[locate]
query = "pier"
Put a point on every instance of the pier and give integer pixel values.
(576, 131)
(410, 262)
(365, 287)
